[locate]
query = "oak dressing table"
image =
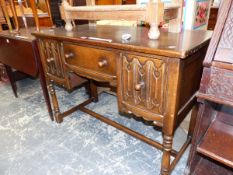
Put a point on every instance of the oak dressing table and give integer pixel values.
(155, 79)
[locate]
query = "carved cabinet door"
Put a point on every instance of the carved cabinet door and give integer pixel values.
(50, 51)
(142, 84)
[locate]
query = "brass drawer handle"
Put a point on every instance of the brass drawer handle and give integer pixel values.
(69, 55)
(49, 60)
(102, 63)
(139, 86)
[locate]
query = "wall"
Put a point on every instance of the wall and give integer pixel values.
(190, 15)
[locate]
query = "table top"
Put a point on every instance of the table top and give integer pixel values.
(23, 34)
(177, 45)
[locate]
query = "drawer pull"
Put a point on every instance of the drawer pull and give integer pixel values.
(50, 60)
(102, 63)
(139, 86)
(69, 55)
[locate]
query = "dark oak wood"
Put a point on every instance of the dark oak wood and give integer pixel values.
(206, 166)
(15, 49)
(211, 151)
(19, 51)
(3, 74)
(155, 79)
(44, 21)
(218, 136)
(212, 18)
(128, 1)
(102, 61)
(172, 45)
(11, 79)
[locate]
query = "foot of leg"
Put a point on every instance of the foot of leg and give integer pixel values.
(10, 75)
(94, 92)
(167, 147)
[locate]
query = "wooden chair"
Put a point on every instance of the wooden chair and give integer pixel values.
(16, 10)
(152, 13)
(2, 19)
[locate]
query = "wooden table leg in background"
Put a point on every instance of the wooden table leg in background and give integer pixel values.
(193, 120)
(93, 91)
(15, 76)
(45, 93)
(44, 87)
(10, 75)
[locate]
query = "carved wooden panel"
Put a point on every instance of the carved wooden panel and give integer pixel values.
(51, 58)
(217, 84)
(225, 51)
(144, 83)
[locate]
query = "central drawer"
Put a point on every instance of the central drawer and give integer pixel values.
(95, 63)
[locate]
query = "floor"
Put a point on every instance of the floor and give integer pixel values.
(33, 145)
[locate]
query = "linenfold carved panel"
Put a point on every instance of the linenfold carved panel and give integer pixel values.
(51, 57)
(144, 82)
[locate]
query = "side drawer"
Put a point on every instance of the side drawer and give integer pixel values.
(142, 86)
(94, 63)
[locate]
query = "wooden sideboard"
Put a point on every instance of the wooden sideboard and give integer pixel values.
(20, 52)
(155, 79)
(212, 146)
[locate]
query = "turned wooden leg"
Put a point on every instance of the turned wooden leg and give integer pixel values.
(94, 91)
(167, 147)
(193, 120)
(10, 75)
(46, 96)
(44, 88)
(88, 89)
(68, 25)
(52, 92)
